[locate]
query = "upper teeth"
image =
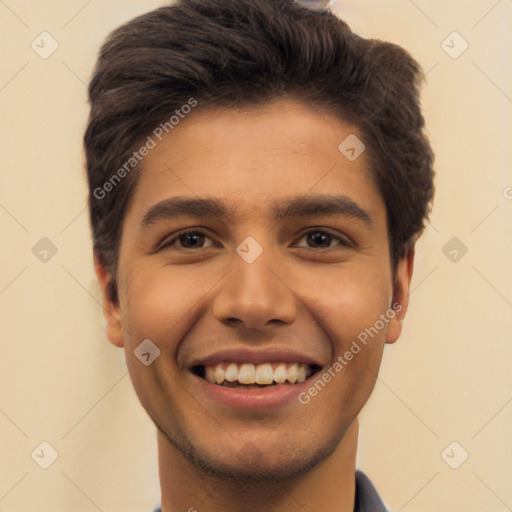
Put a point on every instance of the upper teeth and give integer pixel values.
(267, 373)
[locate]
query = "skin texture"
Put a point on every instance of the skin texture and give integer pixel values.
(192, 302)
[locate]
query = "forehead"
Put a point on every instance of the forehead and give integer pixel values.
(251, 158)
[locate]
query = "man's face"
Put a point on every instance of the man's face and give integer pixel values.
(210, 300)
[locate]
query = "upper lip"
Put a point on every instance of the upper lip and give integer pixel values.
(244, 355)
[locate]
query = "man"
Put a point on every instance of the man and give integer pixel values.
(258, 178)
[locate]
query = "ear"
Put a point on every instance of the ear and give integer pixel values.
(111, 310)
(401, 287)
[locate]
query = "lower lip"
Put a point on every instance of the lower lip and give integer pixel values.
(253, 399)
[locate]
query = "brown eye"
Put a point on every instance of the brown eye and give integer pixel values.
(188, 239)
(319, 239)
(192, 239)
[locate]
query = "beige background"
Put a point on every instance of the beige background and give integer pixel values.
(447, 379)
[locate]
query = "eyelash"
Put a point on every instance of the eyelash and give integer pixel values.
(188, 232)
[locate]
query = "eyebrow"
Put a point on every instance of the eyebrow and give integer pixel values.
(297, 206)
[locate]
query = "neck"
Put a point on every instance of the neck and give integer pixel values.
(329, 487)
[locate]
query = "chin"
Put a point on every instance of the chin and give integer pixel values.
(277, 460)
(260, 468)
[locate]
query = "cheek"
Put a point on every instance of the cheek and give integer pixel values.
(347, 307)
(160, 305)
(160, 302)
(349, 301)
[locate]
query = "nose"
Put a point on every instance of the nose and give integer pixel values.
(255, 294)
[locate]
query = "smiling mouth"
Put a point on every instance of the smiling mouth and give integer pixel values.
(255, 376)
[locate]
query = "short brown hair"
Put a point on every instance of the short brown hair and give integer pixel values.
(228, 53)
